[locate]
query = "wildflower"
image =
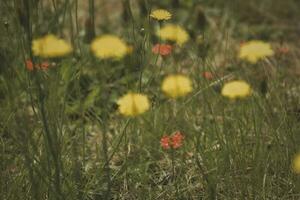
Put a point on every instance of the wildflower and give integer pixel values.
(176, 85)
(30, 66)
(162, 49)
(236, 89)
(50, 46)
(174, 141)
(207, 75)
(161, 14)
(177, 139)
(165, 142)
(283, 50)
(296, 164)
(109, 47)
(133, 104)
(173, 33)
(255, 50)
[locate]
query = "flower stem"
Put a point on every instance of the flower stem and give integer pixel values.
(174, 171)
(106, 167)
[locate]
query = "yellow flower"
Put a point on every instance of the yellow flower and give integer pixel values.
(133, 104)
(50, 46)
(176, 85)
(236, 89)
(109, 46)
(161, 14)
(173, 33)
(255, 50)
(296, 164)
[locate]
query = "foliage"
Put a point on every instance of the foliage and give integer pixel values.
(63, 133)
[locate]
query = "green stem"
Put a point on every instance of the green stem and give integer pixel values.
(50, 142)
(42, 107)
(174, 172)
(105, 155)
(173, 164)
(107, 168)
(211, 188)
(92, 19)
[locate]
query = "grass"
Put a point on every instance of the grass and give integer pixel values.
(62, 136)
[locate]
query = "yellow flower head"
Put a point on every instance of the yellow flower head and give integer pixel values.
(255, 50)
(296, 164)
(161, 14)
(236, 89)
(176, 85)
(133, 104)
(50, 46)
(173, 33)
(109, 46)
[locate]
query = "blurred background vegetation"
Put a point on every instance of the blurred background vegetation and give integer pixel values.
(231, 152)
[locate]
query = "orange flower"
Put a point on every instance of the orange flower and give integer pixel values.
(165, 142)
(283, 50)
(177, 139)
(207, 75)
(30, 66)
(174, 141)
(162, 49)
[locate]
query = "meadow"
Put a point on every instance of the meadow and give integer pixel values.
(150, 99)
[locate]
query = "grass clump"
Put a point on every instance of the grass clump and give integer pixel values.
(149, 100)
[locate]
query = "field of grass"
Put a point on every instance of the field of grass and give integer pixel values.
(67, 132)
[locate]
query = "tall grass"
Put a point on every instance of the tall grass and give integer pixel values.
(63, 138)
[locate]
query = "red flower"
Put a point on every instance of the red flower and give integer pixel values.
(207, 75)
(177, 139)
(165, 142)
(162, 49)
(29, 65)
(174, 141)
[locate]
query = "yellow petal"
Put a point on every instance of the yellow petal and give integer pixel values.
(236, 89)
(255, 50)
(161, 14)
(176, 85)
(50, 46)
(133, 104)
(109, 46)
(173, 33)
